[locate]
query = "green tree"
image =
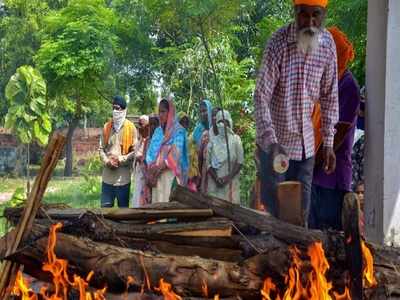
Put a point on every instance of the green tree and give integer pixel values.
(27, 115)
(20, 21)
(134, 64)
(76, 58)
(351, 18)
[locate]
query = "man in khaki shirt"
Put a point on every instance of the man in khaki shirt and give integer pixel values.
(116, 152)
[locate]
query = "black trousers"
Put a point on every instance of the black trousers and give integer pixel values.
(301, 171)
(326, 208)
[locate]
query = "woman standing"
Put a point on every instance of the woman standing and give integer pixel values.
(167, 156)
(140, 198)
(224, 179)
(200, 138)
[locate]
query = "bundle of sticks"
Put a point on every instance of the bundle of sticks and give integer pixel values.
(190, 241)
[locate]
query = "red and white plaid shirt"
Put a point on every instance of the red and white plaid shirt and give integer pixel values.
(288, 85)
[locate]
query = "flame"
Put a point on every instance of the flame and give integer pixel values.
(58, 268)
(166, 290)
(295, 289)
(313, 285)
(369, 280)
(319, 286)
(268, 287)
(21, 288)
(345, 296)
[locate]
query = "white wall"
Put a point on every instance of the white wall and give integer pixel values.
(382, 207)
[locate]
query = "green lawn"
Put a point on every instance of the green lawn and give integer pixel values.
(75, 192)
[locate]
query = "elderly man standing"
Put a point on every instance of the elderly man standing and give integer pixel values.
(117, 152)
(299, 68)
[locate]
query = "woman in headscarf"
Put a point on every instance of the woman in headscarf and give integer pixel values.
(224, 179)
(200, 138)
(140, 197)
(204, 170)
(204, 123)
(193, 173)
(167, 155)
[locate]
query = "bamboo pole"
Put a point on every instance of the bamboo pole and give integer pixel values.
(9, 269)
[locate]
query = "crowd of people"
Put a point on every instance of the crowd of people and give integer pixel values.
(307, 108)
(162, 153)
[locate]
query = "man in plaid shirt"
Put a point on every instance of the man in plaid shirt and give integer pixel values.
(299, 68)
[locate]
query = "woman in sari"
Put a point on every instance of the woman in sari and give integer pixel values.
(224, 179)
(167, 155)
(138, 165)
(200, 138)
(193, 173)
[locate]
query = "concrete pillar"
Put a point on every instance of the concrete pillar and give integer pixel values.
(382, 169)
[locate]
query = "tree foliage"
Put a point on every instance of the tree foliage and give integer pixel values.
(27, 115)
(89, 50)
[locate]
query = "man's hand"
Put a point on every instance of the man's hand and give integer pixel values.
(276, 149)
(329, 160)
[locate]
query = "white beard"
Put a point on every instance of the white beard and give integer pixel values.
(308, 40)
(118, 119)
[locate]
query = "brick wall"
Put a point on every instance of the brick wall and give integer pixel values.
(84, 142)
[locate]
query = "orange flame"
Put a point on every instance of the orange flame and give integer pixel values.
(295, 289)
(21, 288)
(166, 289)
(345, 296)
(368, 268)
(268, 287)
(61, 282)
(319, 286)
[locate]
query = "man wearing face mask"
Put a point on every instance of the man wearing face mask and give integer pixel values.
(299, 68)
(117, 152)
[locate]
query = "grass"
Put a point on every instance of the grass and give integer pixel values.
(8, 184)
(76, 192)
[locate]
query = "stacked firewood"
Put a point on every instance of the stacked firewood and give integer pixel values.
(192, 242)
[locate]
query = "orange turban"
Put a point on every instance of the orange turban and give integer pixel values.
(322, 3)
(344, 49)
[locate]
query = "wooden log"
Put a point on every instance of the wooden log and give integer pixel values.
(54, 149)
(386, 259)
(117, 214)
(273, 262)
(352, 237)
(113, 265)
(289, 233)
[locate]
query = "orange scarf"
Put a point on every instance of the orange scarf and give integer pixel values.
(128, 135)
(316, 120)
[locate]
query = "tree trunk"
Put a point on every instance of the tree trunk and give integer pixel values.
(68, 147)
